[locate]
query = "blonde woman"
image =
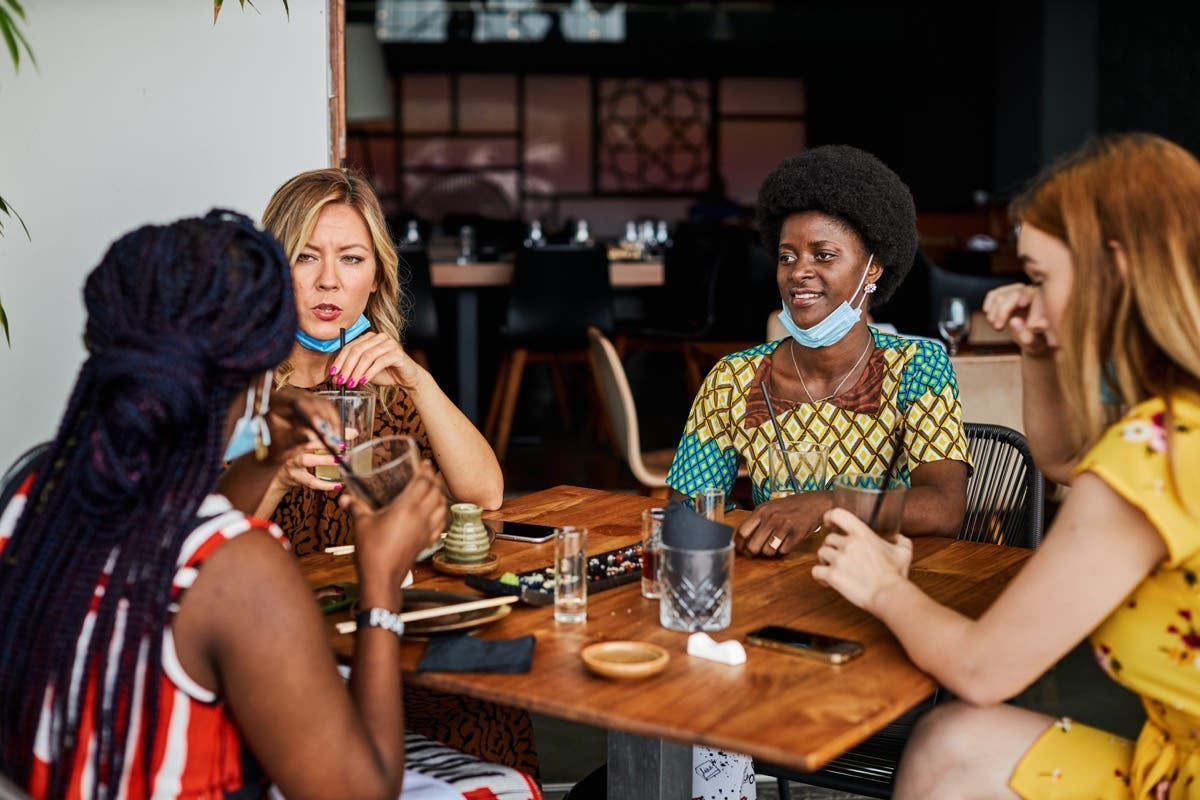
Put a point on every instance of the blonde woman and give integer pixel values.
(344, 272)
(1111, 241)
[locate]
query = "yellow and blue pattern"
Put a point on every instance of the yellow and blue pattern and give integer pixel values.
(918, 387)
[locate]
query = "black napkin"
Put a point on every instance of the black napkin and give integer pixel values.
(684, 528)
(472, 654)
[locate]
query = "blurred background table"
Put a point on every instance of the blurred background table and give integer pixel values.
(466, 280)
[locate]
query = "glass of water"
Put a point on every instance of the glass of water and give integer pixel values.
(570, 574)
(954, 323)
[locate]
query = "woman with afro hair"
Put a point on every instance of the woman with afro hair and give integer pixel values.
(842, 229)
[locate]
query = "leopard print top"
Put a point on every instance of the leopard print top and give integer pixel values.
(311, 519)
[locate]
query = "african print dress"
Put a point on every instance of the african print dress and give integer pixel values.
(909, 380)
(1150, 643)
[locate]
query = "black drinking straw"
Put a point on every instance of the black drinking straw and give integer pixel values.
(888, 475)
(351, 478)
(787, 462)
(342, 388)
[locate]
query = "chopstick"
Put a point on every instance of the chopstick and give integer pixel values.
(340, 550)
(440, 611)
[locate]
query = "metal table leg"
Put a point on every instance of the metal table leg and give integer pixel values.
(648, 768)
(467, 303)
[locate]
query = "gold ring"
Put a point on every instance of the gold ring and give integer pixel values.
(775, 542)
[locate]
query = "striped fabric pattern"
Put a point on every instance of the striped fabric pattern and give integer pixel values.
(198, 750)
(474, 779)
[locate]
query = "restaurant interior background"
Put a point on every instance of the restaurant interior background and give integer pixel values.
(495, 114)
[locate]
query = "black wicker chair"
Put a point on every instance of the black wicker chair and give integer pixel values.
(1004, 506)
(1006, 492)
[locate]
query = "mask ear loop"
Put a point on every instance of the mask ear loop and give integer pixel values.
(262, 432)
(869, 288)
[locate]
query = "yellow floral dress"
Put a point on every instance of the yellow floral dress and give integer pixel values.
(1150, 643)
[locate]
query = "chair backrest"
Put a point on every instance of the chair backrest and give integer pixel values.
(557, 292)
(618, 404)
(416, 297)
(1005, 493)
(26, 463)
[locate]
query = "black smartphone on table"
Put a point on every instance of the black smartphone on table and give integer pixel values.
(521, 531)
(829, 649)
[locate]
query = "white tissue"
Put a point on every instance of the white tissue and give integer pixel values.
(408, 580)
(728, 652)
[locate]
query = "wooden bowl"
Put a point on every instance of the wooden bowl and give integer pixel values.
(625, 660)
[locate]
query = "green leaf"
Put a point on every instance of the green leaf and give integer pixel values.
(16, 7)
(4, 325)
(287, 11)
(8, 210)
(7, 28)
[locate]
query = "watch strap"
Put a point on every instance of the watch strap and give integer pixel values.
(380, 618)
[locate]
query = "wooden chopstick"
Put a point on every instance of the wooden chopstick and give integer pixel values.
(439, 611)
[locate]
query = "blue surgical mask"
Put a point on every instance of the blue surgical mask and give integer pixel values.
(834, 327)
(251, 432)
(331, 345)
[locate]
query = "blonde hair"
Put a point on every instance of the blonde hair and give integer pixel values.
(291, 216)
(1140, 193)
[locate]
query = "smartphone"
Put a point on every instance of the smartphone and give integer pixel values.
(829, 649)
(521, 531)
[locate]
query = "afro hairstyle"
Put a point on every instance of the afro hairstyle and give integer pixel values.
(854, 187)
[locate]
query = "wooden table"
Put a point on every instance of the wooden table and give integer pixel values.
(468, 279)
(778, 708)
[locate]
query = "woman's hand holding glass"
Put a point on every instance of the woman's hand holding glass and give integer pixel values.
(387, 541)
(295, 449)
(858, 563)
(374, 358)
(1019, 307)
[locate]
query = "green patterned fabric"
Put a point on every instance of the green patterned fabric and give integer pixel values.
(918, 386)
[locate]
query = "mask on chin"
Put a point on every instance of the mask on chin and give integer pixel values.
(330, 345)
(834, 327)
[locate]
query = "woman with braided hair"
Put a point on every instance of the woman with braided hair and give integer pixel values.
(154, 641)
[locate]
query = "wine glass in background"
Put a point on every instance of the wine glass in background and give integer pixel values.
(954, 322)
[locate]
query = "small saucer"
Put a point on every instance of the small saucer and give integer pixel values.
(624, 659)
(443, 564)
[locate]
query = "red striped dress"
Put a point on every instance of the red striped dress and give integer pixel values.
(198, 751)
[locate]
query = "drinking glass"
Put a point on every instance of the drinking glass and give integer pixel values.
(710, 503)
(570, 574)
(466, 245)
(954, 323)
(356, 412)
(652, 520)
(859, 495)
(796, 467)
(382, 468)
(697, 588)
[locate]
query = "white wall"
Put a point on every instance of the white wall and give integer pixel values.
(141, 111)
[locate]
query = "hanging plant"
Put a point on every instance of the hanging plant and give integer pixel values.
(11, 13)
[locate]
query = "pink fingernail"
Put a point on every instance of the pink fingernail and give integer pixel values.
(340, 380)
(333, 370)
(361, 381)
(337, 487)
